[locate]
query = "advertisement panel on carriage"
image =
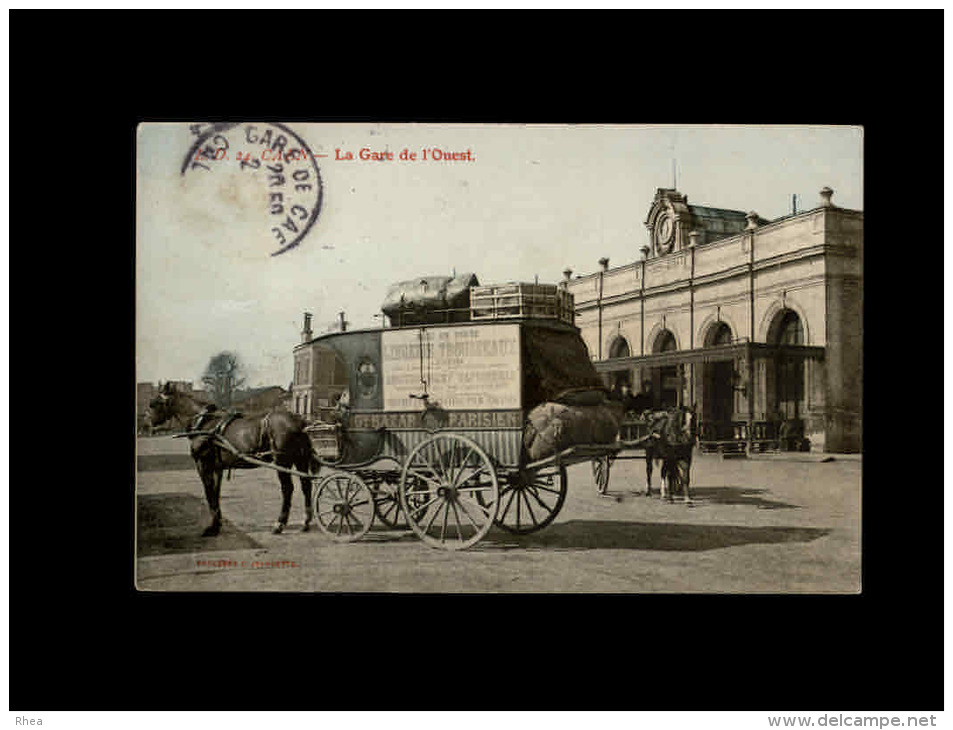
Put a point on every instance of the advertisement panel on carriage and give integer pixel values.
(473, 368)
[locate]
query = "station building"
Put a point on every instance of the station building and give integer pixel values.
(320, 377)
(755, 322)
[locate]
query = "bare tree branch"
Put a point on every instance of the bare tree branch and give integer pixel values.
(223, 375)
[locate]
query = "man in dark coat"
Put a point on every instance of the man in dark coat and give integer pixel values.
(643, 401)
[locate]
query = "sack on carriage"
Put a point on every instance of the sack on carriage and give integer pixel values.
(427, 300)
(553, 427)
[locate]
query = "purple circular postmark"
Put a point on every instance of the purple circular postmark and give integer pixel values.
(275, 163)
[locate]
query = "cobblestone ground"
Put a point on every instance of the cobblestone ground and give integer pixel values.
(770, 524)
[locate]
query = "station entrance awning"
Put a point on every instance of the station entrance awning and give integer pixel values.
(718, 353)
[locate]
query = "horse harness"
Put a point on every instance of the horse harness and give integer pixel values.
(218, 431)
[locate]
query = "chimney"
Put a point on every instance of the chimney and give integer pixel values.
(306, 333)
(343, 322)
(567, 274)
(604, 263)
(693, 239)
(752, 219)
(826, 194)
(645, 252)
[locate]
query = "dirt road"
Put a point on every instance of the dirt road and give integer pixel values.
(759, 525)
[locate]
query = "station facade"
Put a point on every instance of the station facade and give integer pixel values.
(755, 322)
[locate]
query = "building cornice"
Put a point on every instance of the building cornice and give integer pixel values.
(778, 223)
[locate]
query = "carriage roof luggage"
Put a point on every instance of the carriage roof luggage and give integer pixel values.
(429, 299)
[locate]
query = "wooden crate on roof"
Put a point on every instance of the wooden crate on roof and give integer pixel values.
(521, 300)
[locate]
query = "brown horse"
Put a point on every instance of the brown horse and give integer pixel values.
(277, 437)
(672, 442)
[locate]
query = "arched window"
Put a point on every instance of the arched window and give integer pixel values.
(790, 331)
(786, 329)
(665, 342)
(788, 371)
(718, 334)
(619, 348)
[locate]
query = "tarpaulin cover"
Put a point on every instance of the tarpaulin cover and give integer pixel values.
(563, 393)
(552, 427)
(556, 367)
(429, 294)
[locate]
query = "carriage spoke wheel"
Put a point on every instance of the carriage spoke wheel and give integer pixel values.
(344, 507)
(449, 492)
(530, 500)
(600, 473)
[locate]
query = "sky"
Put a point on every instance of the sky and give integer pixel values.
(531, 201)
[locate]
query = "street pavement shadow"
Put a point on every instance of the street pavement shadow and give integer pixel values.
(382, 533)
(739, 496)
(663, 536)
(168, 524)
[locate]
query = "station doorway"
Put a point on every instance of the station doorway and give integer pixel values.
(666, 380)
(788, 372)
(718, 402)
(620, 348)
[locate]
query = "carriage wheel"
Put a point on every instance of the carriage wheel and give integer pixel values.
(600, 473)
(531, 500)
(344, 507)
(449, 492)
(387, 505)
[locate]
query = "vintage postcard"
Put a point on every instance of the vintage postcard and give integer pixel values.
(496, 358)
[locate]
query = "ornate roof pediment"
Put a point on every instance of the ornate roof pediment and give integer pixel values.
(668, 222)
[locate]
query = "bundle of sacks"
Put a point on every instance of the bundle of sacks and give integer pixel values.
(430, 299)
(576, 417)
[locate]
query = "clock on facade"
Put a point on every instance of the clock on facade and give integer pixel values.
(663, 234)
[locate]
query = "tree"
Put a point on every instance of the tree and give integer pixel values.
(223, 376)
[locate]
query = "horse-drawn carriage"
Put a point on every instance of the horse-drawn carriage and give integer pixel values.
(451, 420)
(453, 426)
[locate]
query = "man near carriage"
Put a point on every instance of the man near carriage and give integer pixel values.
(642, 402)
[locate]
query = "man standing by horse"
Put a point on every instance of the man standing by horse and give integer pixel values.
(672, 440)
(644, 401)
(638, 405)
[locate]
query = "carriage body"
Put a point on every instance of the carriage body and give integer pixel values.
(474, 378)
(394, 386)
(405, 383)
(437, 409)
